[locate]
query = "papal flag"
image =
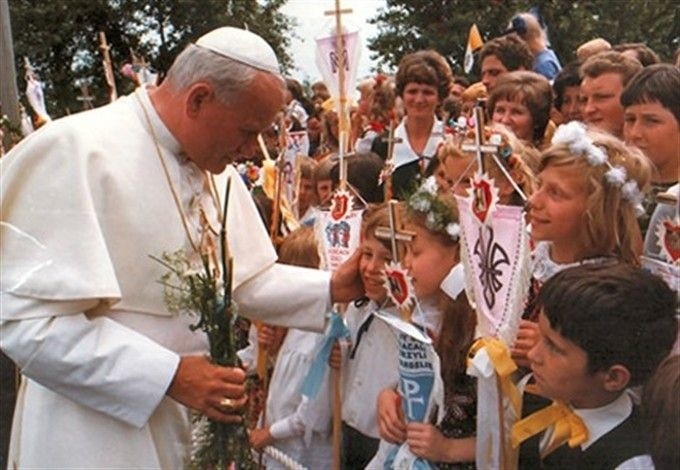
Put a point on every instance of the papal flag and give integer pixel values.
(474, 43)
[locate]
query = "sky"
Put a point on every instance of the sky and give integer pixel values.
(309, 15)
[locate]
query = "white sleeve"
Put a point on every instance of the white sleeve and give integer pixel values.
(639, 462)
(287, 296)
(97, 363)
(291, 425)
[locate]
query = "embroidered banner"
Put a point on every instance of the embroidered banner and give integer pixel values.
(328, 61)
(338, 235)
(496, 257)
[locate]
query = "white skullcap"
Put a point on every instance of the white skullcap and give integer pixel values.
(241, 46)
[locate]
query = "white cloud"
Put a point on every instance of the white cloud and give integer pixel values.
(312, 22)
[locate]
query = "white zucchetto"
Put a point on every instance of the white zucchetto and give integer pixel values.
(242, 46)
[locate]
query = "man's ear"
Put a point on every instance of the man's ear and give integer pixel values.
(616, 378)
(198, 95)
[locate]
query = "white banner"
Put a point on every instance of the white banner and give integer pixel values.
(338, 232)
(496, 257)
(328, 61)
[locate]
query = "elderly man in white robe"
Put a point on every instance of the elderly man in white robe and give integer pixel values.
(108, 374)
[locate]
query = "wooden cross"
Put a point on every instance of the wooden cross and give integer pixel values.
(342, 57)
(398, 238)
(389, 162)
(480, 147)
(108, 67)
(85, 97)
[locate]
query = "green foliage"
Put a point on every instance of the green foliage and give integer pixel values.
(61, 38)
(406, 25)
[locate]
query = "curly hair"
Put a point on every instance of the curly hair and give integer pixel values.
(426, 67)
(513, 53)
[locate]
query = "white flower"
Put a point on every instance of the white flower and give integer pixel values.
(573, 131)
(453, 229)
(420, 203)
(431, 221)
(595, 155)
(616, 175)
(430, 185)
(631, 193)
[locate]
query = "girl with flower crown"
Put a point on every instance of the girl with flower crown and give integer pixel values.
(590, 189)
(450, 320)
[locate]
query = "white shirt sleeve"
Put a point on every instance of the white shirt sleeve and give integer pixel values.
(639, 462)
(98, 363)
(287, 296)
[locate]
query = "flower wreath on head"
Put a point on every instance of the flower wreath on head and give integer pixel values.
(574, 135)
(439, 216)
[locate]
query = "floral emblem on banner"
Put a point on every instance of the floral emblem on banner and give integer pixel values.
(341, 203)
(484, 197)
(399, 285)
(668, 239)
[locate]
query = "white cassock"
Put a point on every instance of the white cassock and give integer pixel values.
(84, 203)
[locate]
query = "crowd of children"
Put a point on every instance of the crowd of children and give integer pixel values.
(592, 157)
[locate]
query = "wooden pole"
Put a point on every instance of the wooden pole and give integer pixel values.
(108, 67)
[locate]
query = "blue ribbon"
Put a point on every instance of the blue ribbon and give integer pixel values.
(417, 464)
(317, 371)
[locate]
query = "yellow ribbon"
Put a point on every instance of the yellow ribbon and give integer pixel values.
(269, 185)
(568, 427)
(499, 355)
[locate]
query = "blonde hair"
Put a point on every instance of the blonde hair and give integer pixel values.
(299, 248)
(592, 47)
(611, 226)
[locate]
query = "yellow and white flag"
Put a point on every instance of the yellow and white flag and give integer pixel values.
(474, 42)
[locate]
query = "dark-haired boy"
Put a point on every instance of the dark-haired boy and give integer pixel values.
(603, 328)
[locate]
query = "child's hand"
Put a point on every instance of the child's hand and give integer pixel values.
(391, 417)
(270, 338)
(260, 438)
(527, 337)
(427, 442)
(266, 336)
(335, 359)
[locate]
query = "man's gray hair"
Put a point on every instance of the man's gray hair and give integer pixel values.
(195, 64)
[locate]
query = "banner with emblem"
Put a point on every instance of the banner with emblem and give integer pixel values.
(328, 61)
(496, 255)
(420, 386)
(338, 230)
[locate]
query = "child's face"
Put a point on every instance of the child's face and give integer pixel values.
(560, 368)
(324, 188)
(428, 261)
(307, 196)
(558, 209)
(654, 130)
(374, 255)
(516, 116)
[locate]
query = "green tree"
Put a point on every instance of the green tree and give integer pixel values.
(61, 38)
(408, 25)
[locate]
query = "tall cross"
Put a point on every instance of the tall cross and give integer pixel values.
(85, 97)
(398, 238)
(481, 146)
(388, 169)
(108, 67)
(342, 56)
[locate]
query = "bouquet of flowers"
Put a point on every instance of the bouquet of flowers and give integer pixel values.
(205, 294)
